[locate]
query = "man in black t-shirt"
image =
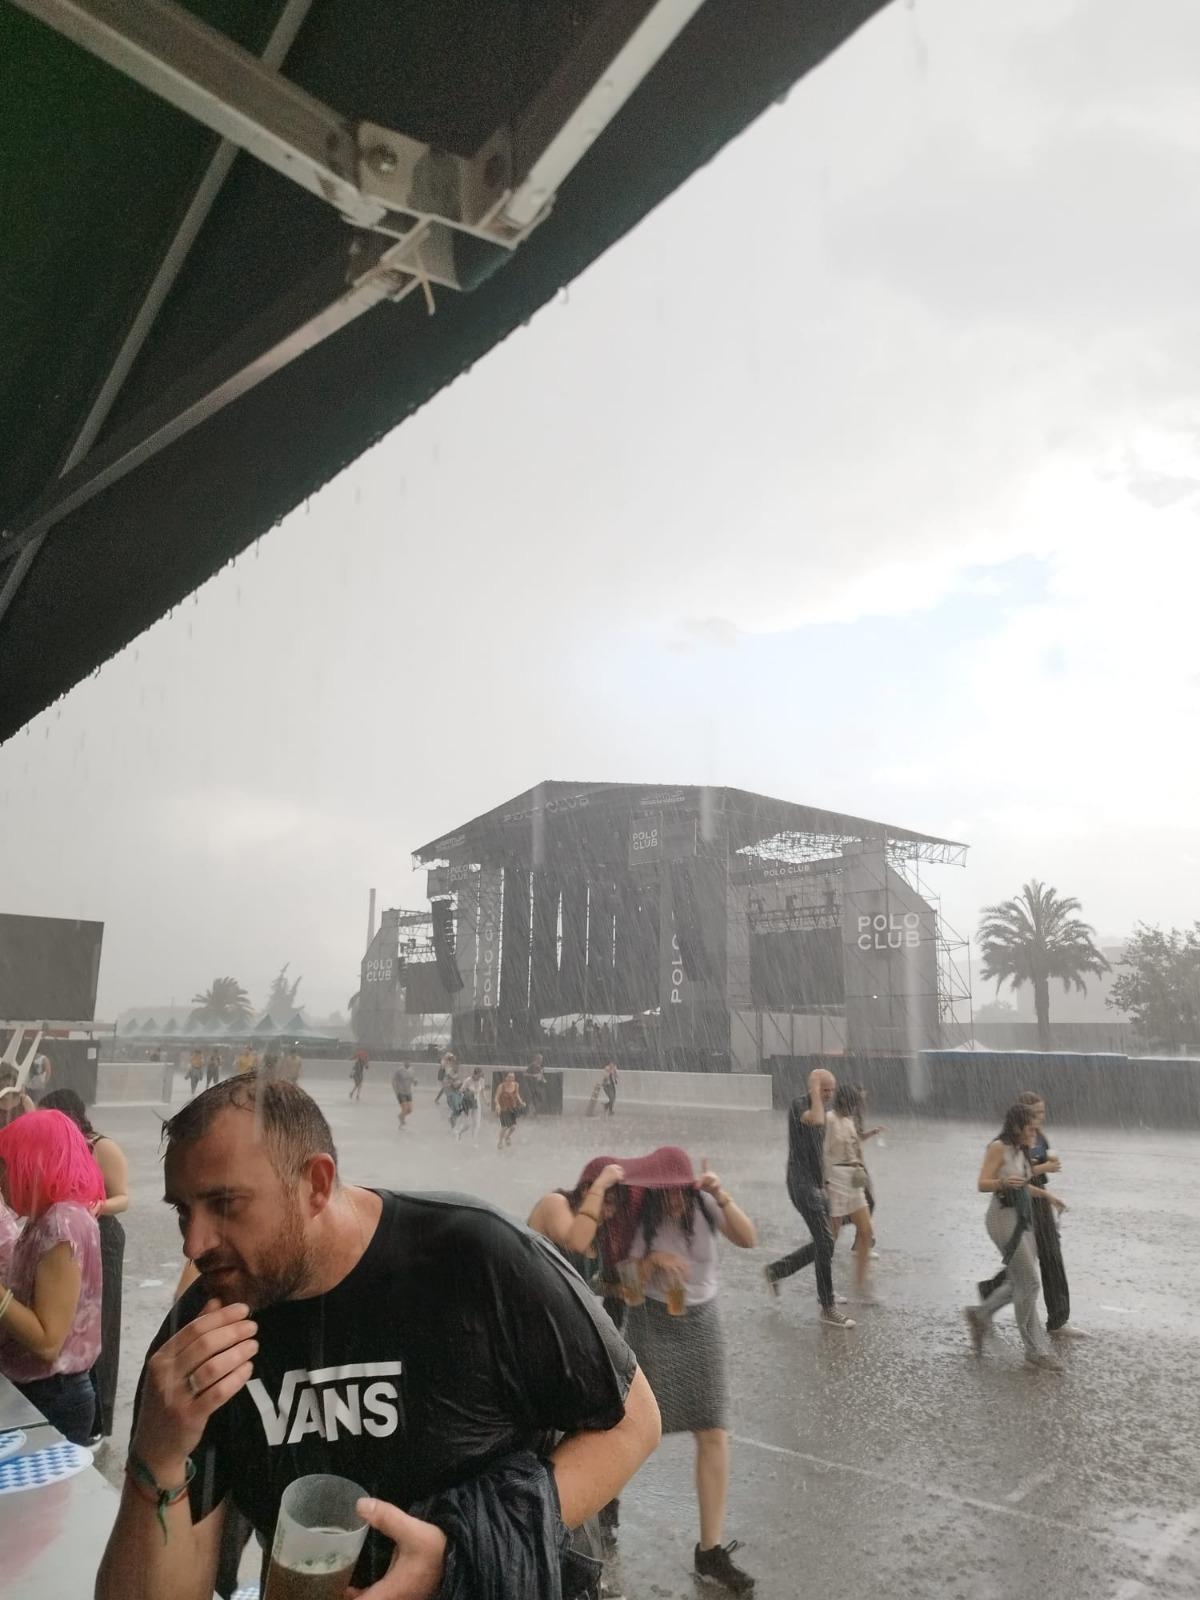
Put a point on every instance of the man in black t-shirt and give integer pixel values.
(406, 1342)
(806, 1190)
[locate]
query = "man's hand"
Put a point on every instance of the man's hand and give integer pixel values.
(416, 1569)
(215, 1353)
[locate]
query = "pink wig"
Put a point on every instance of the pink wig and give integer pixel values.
(47, 1160)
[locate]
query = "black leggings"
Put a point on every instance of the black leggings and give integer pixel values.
(813, 1206)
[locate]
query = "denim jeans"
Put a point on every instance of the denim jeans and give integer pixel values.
(67, 1401)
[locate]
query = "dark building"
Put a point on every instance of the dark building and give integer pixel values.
(701, 926)
(49, 970)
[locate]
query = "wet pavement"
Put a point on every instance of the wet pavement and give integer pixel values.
(886, 1461)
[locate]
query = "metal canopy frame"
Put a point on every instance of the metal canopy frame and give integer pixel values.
(411, 199)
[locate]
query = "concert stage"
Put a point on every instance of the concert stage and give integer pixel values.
(691, 928)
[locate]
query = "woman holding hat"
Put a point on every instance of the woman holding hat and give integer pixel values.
(50, 1305)
(676, 1331)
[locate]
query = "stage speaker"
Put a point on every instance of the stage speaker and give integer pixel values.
(443, 946)
(689, 927)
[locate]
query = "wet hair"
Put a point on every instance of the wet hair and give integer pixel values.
(292, 1125)
(654, 1214)
(1030, 1097)
(46, 1162)
(847, 1101)
(66, 1100)
(1016, 1119)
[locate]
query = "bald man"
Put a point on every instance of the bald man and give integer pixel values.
(806, 1189)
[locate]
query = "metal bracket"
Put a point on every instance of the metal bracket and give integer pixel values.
(376, 178)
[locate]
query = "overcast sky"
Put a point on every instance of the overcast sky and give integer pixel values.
(865, 473)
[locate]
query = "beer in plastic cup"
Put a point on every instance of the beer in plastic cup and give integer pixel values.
(677, 1299)
(317, 1539)
(631, 1283)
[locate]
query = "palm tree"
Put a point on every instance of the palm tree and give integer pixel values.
(225, 1002)
(1035, 938)
(281, 1002)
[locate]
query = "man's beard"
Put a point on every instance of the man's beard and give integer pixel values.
(287, 1270)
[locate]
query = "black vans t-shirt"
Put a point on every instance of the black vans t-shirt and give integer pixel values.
(460, 1335)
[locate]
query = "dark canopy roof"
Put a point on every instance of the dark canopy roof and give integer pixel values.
(752, 819)
(98, 173)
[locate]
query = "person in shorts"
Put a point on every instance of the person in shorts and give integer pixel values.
(508, 1107)
(358, 1071)
(403, 1082)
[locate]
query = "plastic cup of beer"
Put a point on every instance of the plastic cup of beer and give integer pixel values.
(317, 1539)
(631, 1283)
(677, 1299)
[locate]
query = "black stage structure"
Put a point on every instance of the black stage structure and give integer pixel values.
(684, 927)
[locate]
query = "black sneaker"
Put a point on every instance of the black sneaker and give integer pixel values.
(716, 1566)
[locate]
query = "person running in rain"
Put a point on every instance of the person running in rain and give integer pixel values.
(451, 1089)
(1005, 1175)
(473, 1092)
(195, 1071)
(358, 1072)
(609, 1079)
(535, 1085)
(403, 1082)
(1055, 1289)
(212, 1073)
(865, 1133)
(40, 1074)
(846, 1179)
(593, 1230)
(806, 1190)
(508, 1107)
(577, 1220)
(675, 1331)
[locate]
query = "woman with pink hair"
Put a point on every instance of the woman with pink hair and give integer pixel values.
(50, 1303)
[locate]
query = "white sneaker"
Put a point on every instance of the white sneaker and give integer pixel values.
(872, 1255)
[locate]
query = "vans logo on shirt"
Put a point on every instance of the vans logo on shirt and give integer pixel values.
(330, 1402)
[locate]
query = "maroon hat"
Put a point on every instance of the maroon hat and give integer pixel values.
(668, 1167)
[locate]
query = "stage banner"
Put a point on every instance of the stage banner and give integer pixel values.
(601, 910)
(514, 948)
(636, 971)
(487, 955)
(572, 965)
(466, 937)
(543, 961)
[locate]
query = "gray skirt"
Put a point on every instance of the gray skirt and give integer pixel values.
(684, 1362)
